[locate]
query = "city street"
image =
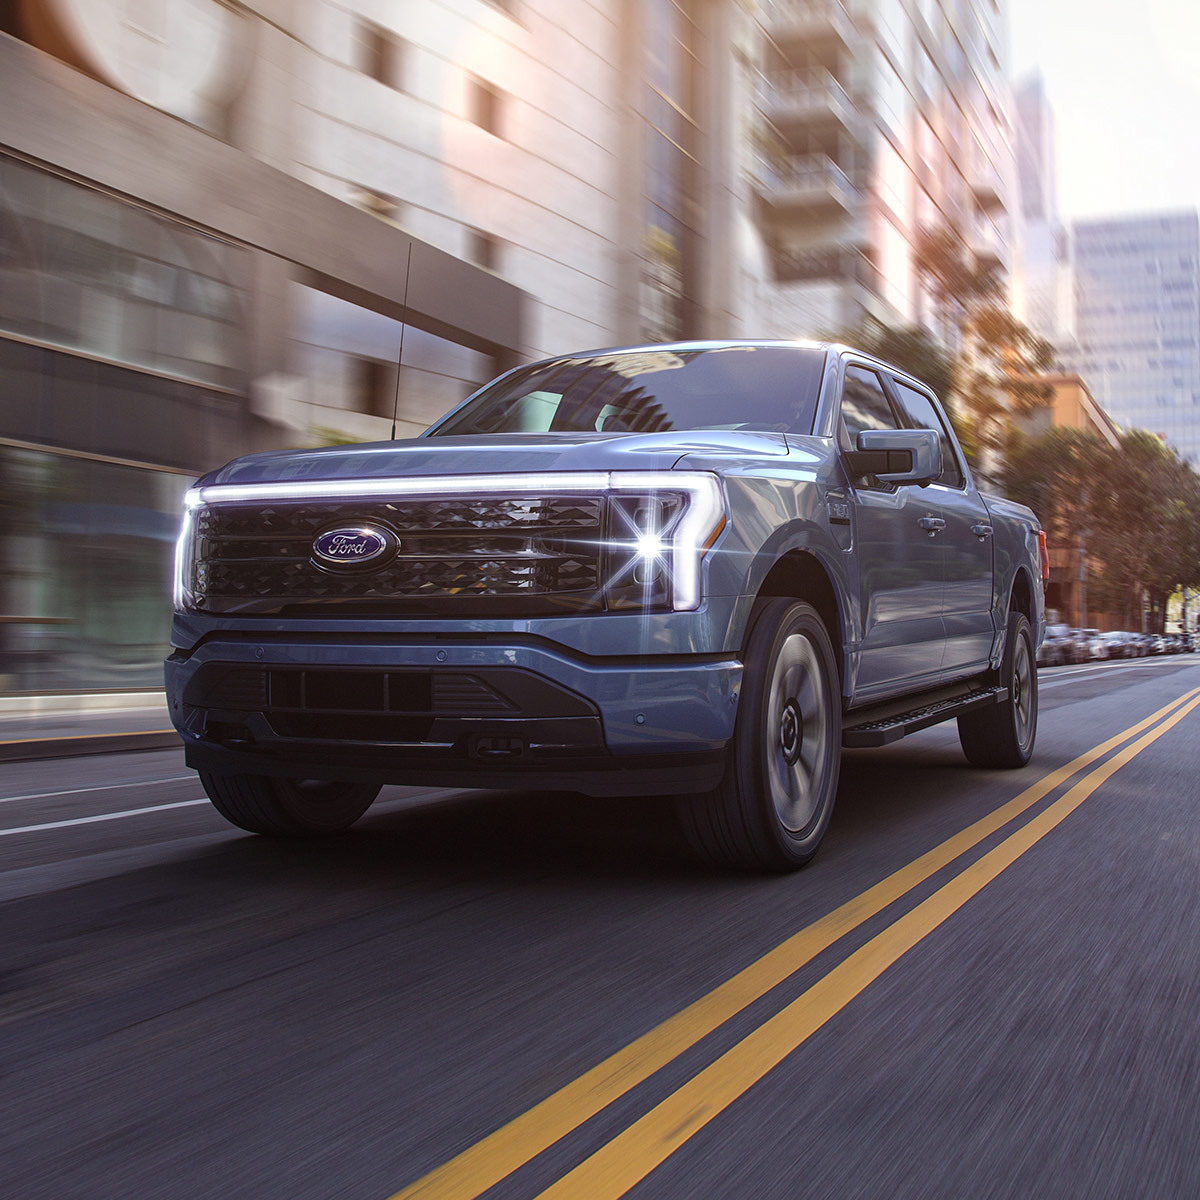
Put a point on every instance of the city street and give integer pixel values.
(986, 983)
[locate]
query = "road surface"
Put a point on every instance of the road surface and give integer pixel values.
(986, 984)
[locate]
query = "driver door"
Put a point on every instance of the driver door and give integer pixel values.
(899, 562)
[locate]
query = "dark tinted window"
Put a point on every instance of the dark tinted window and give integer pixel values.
(864, 406)
(771, 388)
(920, 413)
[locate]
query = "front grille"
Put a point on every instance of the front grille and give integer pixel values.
(497, 555)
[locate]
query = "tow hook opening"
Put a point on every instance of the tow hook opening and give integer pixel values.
(497, 747)
(227, 733)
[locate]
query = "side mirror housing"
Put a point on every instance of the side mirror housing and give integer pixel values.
(897, 455)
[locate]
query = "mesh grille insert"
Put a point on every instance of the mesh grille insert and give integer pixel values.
(456, 551)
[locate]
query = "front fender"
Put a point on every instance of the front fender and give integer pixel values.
(775, 516)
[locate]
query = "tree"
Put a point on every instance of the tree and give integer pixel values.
(998, 358)
(1133, 508)
(905, 346)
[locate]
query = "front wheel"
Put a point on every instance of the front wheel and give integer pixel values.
(771, 808)
(288, 807)
(1003, 734)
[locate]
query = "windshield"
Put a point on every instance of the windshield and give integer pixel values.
(771, 388)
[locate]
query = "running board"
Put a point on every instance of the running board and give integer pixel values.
(893, 728)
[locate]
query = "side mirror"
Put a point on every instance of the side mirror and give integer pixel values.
(897, 455)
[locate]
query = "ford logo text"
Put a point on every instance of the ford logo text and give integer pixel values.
(351, 546)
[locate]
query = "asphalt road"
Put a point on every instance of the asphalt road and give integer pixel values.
(986, 984)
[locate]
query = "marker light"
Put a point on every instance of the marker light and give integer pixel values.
(184, 554)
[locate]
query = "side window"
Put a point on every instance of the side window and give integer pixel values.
(919, 413)
(864, 406)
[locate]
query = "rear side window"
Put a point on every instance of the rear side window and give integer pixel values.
(864, 406)
(920, 413)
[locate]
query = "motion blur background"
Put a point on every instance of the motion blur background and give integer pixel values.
(212, 211)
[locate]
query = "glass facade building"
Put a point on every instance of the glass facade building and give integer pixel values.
(121, 357)
(1137, 318)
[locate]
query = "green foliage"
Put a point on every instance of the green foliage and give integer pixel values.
(959, 283)
(998, 357)
(1132, 508)
(907, 347)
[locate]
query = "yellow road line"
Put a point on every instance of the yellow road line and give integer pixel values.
(492, 1158)
(633, 1154)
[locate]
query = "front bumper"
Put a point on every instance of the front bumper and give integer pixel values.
(452, 712)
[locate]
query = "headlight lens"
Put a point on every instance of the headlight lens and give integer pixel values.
(660, 528)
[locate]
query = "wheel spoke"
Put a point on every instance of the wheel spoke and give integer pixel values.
(795, 734)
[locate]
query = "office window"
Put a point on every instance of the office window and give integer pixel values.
(373, 386)
(485, 103)
(484, 250)
(380, 55)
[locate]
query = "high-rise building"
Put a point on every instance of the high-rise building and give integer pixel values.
(1137, 304)
(881, 118)
(1044, 274)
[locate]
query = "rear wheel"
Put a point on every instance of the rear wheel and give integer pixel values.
(772, 807)
(1002, 735)
(288, 807)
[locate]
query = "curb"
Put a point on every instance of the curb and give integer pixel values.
(26, 749)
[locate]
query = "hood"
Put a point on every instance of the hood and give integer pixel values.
(509, 453)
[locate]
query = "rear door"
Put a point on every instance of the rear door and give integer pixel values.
(898, 561)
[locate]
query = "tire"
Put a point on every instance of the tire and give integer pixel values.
(1002, 735)
(772, 807)
(288, 807)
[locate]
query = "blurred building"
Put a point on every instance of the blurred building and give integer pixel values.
(880, 118)
(1045, 271)
(1069, 404)
(213, 215)
(1137, 304)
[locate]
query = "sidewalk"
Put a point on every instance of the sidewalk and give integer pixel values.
(54, 726)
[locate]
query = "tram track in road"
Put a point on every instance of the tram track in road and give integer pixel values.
(647, 1141)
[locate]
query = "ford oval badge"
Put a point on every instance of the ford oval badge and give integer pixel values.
(350, 547)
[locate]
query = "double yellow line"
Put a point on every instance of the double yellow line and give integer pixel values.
(618, 1165)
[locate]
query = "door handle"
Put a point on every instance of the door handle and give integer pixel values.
(981, 531)
(933, 524)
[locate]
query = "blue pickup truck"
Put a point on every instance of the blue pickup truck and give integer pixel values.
(698, 569)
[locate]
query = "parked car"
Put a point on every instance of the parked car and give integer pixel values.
(1057, 648)
(1117, 644)
(699, 569)
(1095, 647)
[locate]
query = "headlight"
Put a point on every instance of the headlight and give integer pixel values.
(185, 553)
(660, 526)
